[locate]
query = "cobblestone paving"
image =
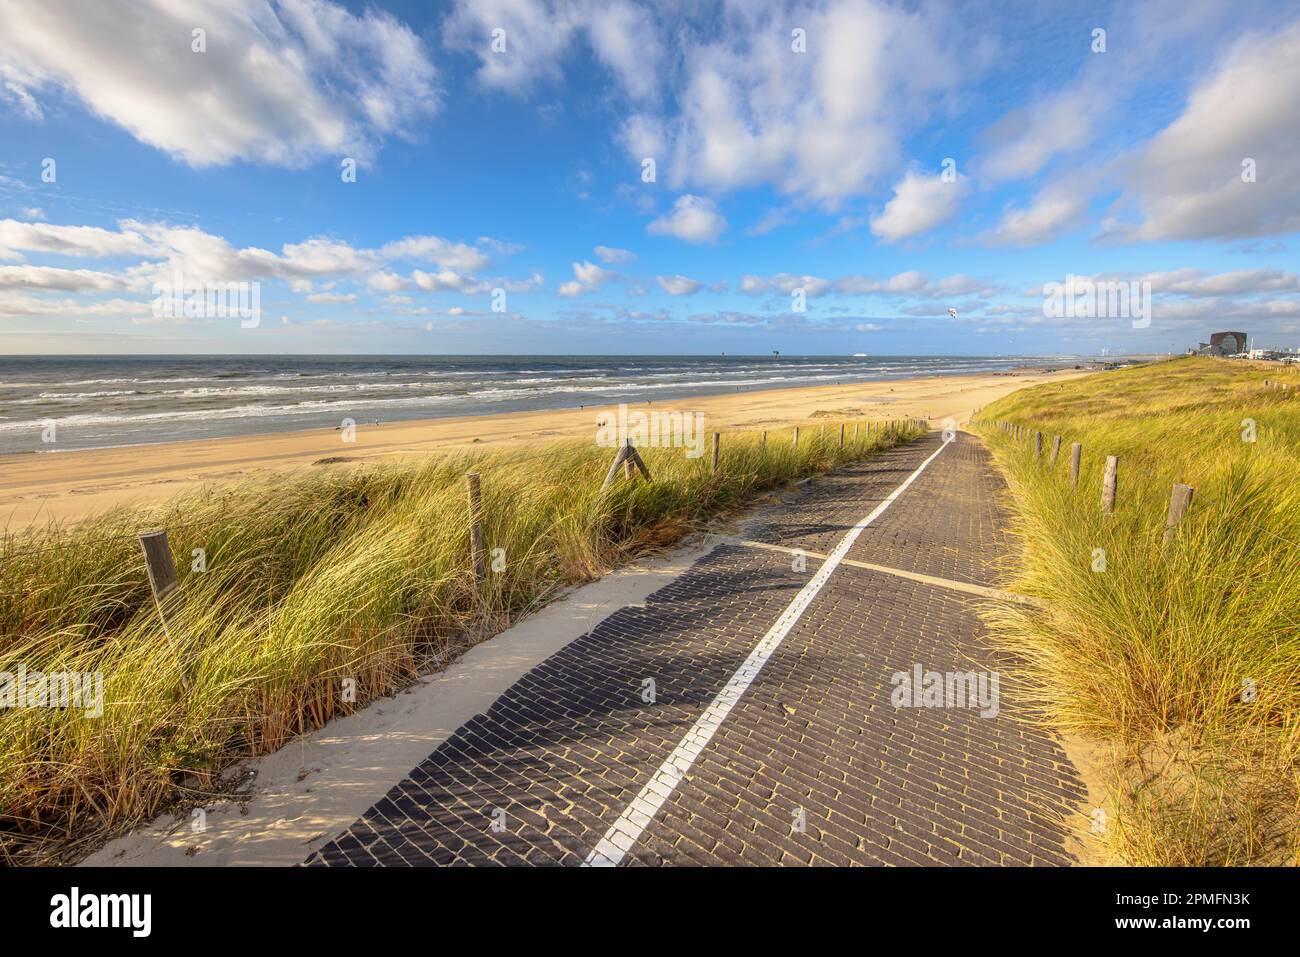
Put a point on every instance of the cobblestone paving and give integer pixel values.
(814, 765)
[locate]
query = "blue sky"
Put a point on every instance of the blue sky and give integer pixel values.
(799, 155)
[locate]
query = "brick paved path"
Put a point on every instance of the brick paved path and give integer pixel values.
(814, 765)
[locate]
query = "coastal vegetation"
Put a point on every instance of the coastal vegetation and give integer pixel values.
(1177, 655)
(307, 596)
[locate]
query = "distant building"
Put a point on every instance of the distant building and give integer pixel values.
(1227, 343)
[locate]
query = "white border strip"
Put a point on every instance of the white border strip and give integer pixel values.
(627, 830)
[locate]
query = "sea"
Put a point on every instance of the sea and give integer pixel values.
(65, 403)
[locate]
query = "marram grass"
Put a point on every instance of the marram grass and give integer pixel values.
(1182, 660)
(359, 575)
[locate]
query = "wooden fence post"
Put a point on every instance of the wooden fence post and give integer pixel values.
(841, 435)
(619, 458)
(1076, 451)
(166, 590)
(477, 553)
(1179, 502)
(158, 561)
(855, 430)
(762, 440)
(1056, 449)
(1109, 483)
(1038, 445)
(715, 451)
(796, 436)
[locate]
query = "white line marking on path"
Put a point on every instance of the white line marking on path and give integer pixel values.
(627, 830)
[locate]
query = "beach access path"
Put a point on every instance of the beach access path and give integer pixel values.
(729, 703)
(745, 713)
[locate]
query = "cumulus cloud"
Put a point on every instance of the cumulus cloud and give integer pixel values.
(587, 277)
(282, 82)
(813, 286)
(920, 203)
(198, 256)
(439, 251)
(613, 256)
(693, 219)
(679, 285)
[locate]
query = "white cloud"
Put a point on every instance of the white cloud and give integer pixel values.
(536, 35)
(679, 285)
(49, 277)
(914, 284)
(332, 298)
(386, 281)
(587, 277)
(440, 252)
(539, 33)
(822, 125)
(443, 280)
(920, 203)
(1051, 213)
(12, 305)
(283, 84)
(693, 219)
(1187, 182)
(1031, 137)
(625, 39)
(590, 275)
(613, 256)
(79, 241)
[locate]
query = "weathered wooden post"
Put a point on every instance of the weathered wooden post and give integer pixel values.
(1038, 445)
(855, 430)
(715, 451)
(762, 440)
(158, 561)
(1109, 483)
(166, 588)
(1179, 502)
(1056, 449)
(619, 457)
(477, 552)
(796, 436)
(841, 435)
(1076, 451)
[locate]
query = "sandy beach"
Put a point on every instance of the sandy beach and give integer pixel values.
(69, 486)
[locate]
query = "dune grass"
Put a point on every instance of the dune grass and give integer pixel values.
(1183, 661)
(311, 580)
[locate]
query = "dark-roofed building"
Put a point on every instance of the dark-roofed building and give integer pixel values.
(1227, 343)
